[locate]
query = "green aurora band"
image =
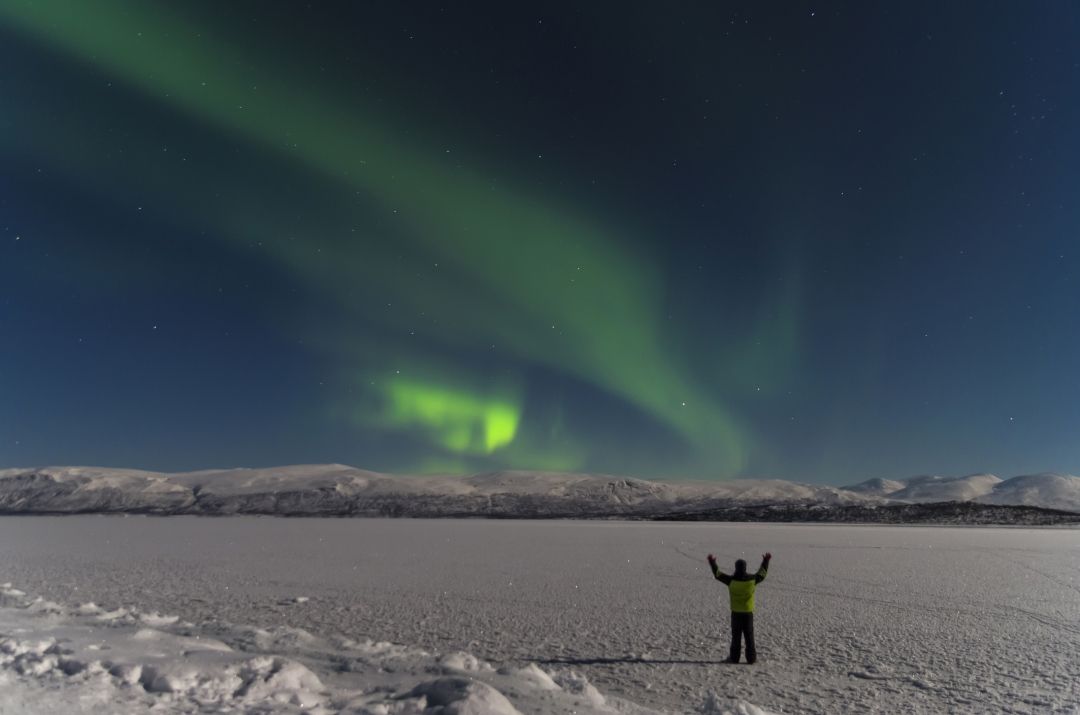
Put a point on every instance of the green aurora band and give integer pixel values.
(539, 281)
(459, 421)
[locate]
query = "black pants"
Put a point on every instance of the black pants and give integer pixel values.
(742, 625)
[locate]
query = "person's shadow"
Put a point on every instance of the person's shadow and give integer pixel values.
(626, 660)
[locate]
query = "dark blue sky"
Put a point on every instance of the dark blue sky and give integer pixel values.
(823, 242)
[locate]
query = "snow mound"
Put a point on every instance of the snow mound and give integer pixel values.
(458, 696)
(715, 705)
(1049, 490)
(81, 654)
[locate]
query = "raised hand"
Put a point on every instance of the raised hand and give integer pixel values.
(766, 556)
(712, 559)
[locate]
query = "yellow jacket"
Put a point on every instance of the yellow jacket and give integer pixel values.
(741, 586)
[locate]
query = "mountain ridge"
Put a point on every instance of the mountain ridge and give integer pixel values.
(342, 490)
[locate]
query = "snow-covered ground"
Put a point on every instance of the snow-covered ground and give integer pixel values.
(118, 614)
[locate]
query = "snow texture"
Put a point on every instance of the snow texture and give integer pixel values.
(338, 490)
(55, 658)
(248, 614)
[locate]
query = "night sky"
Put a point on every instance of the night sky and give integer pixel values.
(822, 242)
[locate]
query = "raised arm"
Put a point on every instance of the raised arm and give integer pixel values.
(764, 569)
(723, 577)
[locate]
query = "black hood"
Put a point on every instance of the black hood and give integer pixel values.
(740, 567)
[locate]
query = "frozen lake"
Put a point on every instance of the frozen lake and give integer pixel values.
(850, 619)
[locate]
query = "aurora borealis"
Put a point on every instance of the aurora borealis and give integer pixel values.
(820, 243)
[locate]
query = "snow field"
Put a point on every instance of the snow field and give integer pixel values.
(84, 659)
(620, 617)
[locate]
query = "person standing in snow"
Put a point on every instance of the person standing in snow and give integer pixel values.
(741, 587)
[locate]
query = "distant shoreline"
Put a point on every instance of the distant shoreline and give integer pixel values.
(963, 514)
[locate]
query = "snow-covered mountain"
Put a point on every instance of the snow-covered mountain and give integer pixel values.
(89, 489)
(929, 488)
(877, 487)
(936, 489)
(1046, 491)
(340, 490)
(1062, 491)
